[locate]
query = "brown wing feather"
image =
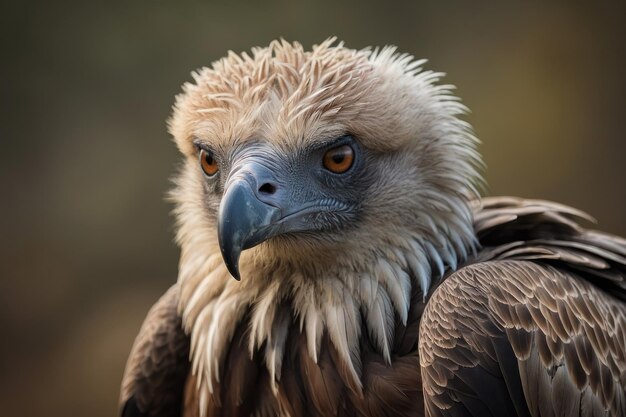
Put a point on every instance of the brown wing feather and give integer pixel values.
(515, 228)
(547, 338)
(158, 364)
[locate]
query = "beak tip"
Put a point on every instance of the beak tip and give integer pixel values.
(231, 260)
(235, 274)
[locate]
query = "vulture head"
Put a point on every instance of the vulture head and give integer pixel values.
(331, 184)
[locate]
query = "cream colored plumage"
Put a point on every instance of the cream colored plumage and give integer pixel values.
(325, 319)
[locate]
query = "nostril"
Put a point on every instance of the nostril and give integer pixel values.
(267, 188)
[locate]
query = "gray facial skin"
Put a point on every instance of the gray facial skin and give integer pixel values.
(267, 194)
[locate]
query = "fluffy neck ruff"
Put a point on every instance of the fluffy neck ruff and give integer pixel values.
(362, 293)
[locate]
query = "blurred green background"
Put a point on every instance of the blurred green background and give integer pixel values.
(86, 235)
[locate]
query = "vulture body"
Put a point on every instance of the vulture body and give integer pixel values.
(340, 187)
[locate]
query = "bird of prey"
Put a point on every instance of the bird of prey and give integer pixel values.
(337, 259)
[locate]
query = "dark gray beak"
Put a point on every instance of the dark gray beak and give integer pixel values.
(244, 220)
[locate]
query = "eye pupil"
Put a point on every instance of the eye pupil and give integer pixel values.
(208, 163)
(339, 159)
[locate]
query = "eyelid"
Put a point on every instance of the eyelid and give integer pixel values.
(202, 145)
(334, 142)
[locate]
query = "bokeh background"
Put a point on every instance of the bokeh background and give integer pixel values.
(86, 242)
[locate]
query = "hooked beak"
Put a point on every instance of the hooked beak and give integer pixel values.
(244, 221)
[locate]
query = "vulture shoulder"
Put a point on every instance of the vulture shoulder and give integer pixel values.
(536, 326)
(158, 365)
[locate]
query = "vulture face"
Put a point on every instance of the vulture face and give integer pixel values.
(305, 155)
(312, 194)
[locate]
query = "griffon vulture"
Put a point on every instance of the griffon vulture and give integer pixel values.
(339, 189)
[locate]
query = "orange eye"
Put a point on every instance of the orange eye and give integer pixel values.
(208, 163)
(339, 159)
